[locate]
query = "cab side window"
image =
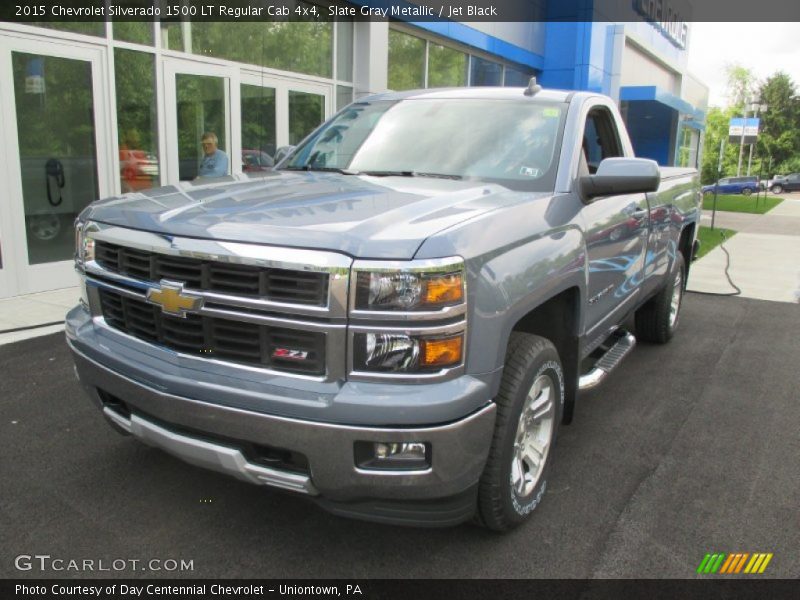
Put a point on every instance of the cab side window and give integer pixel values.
(600, 140)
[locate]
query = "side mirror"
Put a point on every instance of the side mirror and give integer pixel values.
(620, 176)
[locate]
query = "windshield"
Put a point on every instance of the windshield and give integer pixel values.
(512, 142)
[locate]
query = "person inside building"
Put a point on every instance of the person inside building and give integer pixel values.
(215, 161)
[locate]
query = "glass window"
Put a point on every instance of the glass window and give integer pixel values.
(344, 50)
(95, 28)
(485, 72)
(201, 109)
(406, 61)
(306, 112)
(446, 67)
(137, 122)
(172, 36)
(258, 127)
(516, 77)
(442, 138)
(344, 96)
(137, 32)
(301, 47)
(685, 148)
(57, 152)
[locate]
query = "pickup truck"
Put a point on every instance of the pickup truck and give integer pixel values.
(395, 321)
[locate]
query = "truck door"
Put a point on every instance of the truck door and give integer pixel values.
(616, 232)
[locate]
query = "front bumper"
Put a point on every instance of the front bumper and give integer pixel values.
(459, 449)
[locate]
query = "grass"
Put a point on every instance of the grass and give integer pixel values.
(710, 239)
(741, 204)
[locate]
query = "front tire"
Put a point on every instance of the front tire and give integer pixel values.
(747, 191)
(529, 407)
(657, 320)
(777, 189)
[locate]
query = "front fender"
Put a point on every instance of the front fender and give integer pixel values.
(509, 285)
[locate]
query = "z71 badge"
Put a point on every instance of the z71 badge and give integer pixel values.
(290, 354)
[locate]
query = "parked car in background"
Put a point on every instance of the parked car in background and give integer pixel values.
(135, 164)
(734, 185)
(785, 183)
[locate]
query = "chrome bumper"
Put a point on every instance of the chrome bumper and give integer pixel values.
(459, 450)
(209, 455)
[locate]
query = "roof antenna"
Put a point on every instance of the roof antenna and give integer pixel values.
(533, 87)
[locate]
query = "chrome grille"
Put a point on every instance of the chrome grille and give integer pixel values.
(274, 284)
(210, 337)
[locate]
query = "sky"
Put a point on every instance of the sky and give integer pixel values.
(761, 47)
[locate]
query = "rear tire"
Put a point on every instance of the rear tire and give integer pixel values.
(657, 320)
(776, 189)
(529, 407)
(747, 191)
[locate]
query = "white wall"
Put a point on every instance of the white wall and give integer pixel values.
(639, 68)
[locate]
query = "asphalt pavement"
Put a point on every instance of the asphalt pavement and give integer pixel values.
(687, 449)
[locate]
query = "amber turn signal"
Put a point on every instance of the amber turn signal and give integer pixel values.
(441, 352)
(444, 289)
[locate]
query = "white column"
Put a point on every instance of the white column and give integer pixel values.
(371, 54)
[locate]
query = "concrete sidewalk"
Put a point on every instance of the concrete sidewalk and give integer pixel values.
(764, 255)
(33, 310)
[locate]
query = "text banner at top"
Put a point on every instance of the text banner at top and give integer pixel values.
(667, 14)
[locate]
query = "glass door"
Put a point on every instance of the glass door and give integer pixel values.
(199, 139)
(224, 120)
(56, 156)
(259, 123)
(308, 106)
(277, 112)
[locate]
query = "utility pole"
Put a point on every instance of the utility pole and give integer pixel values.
(741, 141)
(716, 184)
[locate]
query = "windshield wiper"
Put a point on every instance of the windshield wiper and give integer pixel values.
(332, 169)
(409, 174)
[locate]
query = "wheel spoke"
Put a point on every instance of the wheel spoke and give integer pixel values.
(675, 301)
(517, 475)
(542, 410)
(536, 450)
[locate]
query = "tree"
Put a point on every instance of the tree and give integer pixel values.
(741, 84)
(779, 135)
(717, 121)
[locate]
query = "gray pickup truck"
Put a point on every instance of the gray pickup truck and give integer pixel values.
(395, 320)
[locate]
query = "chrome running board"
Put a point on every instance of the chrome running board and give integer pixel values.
(608, 362)
(210, 455)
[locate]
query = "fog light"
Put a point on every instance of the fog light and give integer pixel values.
(396, 456)
(404, 451)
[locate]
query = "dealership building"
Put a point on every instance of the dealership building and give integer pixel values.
(96, 109)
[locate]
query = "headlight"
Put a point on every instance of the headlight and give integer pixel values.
(84, 245)
(401, 353)
(409, 287)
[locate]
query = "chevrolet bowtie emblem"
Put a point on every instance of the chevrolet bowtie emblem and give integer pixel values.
(173, 300)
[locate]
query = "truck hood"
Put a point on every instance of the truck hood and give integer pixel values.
(365, 217)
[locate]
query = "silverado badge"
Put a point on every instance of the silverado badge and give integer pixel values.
(173, 300)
